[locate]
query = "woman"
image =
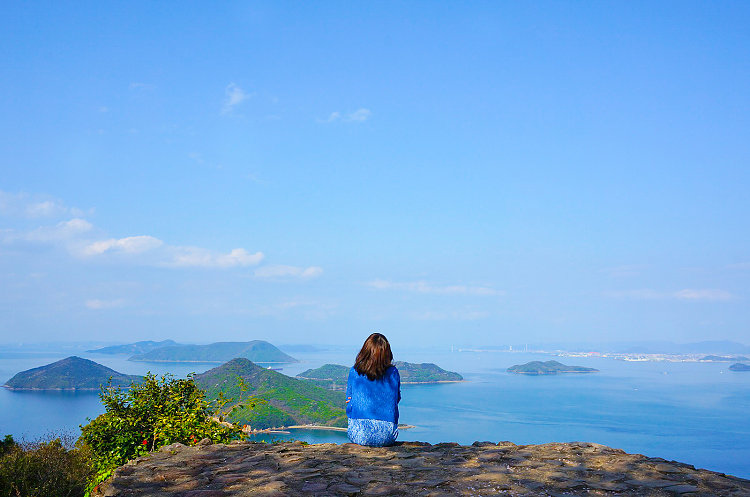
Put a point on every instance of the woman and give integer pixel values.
(373, 391)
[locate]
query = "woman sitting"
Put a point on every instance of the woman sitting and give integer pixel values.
(373, 391)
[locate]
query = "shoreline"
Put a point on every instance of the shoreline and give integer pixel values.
(285, 429)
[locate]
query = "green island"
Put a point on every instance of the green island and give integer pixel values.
(739, 367)
(71, 373)
(134, 348)
(334, 376)
(548, 368)
(719, 358)
(219, 352)
(275, 400)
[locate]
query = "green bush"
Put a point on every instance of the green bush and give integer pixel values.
(51, 468)
(149, 415)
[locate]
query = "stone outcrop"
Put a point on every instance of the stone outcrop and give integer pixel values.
(410, 468)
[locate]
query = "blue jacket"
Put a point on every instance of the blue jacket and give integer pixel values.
(374, 399)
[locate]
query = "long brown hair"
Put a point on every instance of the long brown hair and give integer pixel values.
(375, 357)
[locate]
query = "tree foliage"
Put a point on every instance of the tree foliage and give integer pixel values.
(151, 414)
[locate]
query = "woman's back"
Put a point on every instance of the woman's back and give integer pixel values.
(373, 399)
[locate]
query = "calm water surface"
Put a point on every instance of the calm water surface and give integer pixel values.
(695, 413)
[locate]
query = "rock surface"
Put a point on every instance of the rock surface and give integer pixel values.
(410, 468)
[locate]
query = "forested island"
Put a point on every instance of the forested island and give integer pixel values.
(284, 401)
(334, 376)
(219, 352)
(719, 358)
(71, 373)
(548, 368)
(134, 348)
(739, 367)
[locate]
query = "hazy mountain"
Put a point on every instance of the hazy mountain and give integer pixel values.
(134, 348)
(256, 351)
(72, 373)
(289, 401)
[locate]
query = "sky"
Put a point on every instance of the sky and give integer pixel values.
(464, 173)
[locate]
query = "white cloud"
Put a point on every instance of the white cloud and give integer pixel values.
(61, 232)
(703, 294)
(79, 238)
(23, 205)
(97, 304)
(690, 294)
(307, 309)
(128, 245)
(233, 96)
(200, 257)
(459, 315)
(281, 271)
(624, 271)
(358, 116)
(424, 287)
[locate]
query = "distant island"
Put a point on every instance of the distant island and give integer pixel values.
(134, 348)
(334, 376)
(548, 368)
(739, 367)
(72, 373)
(289, 401)
(219, 352)
(719, 358)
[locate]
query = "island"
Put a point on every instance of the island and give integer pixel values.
(334, 376)
(72, 373)
(719, 358)
(739, 367)
(281, 402)
(548, 368)
(134, 348)
(219, 352)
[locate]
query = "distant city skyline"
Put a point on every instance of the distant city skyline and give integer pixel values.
(444, 173)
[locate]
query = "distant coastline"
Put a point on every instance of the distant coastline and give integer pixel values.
(431, 382)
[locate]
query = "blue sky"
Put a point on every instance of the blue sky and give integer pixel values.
(467, 172)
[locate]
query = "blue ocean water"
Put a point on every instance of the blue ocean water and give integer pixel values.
(696, 413)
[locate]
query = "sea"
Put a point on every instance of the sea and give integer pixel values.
(697, 413)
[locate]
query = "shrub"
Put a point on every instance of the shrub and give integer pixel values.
(50, 468)
(149, 415)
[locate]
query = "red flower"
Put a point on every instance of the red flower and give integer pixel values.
(145, 442)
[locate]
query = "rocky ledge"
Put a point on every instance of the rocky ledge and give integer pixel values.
(410, 468)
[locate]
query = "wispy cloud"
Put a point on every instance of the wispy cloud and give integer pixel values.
(624, 271)
(128, 245)
(358, 116)
(304, 308)
(739, 265)
(200, 257)
(688, 294)
(97, 304)
(23, 205)
(83, 241)
(281, 271)
(141, 86)
(458, 315)
(80, 239)
(233, 96)
(62, 232)
(424, 287)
